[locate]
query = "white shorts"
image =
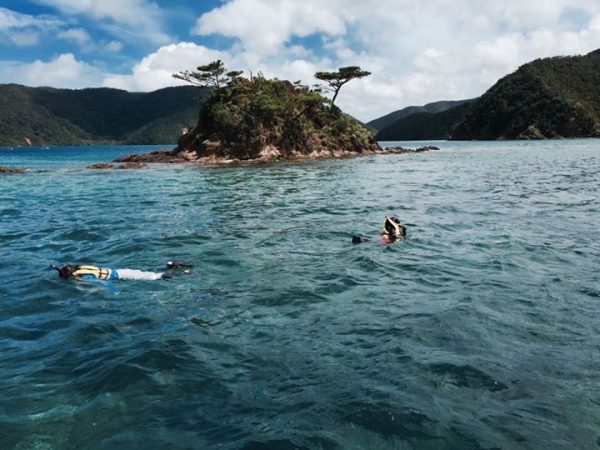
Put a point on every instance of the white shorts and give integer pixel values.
(133, 274)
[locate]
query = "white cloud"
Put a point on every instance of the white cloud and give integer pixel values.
(156, 71)
(27, 39)
(65, 71)
(77, 35)
(84, 41)
(122, 11)
(530, 14)
(141, 16)
(13, 20)
(114, 46)
(24, 30)
(265, 27)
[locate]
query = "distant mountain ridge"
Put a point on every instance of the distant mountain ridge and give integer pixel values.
(435, 107)
(423, 126)
(48, 116)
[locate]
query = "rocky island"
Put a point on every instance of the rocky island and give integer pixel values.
(4, 169)
(267, 120)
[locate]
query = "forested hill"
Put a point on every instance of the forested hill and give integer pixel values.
(547, 98)
(423, 126)
(47, 116)
(432, 108)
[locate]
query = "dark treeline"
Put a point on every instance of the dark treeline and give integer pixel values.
(48, 116)
(431, 108)
(425, 125)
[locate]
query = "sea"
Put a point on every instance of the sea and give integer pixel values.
(479, 330)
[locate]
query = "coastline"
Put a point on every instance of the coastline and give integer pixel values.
(167, 156)
(267, 157)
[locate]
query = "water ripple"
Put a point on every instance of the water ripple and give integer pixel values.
(476, 331)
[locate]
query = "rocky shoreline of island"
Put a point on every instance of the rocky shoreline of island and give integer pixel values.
(4, 169)
(166, 156)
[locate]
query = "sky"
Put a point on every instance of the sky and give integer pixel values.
(418, 51)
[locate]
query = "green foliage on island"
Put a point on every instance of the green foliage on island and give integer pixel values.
(421, 126)
(548, 98)
(260, 118)
(48, 116)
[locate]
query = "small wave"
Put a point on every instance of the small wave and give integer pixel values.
(302, 335)
(590, 292)
(20, 334)
(312, 442)
(406, 423)
(467, 376)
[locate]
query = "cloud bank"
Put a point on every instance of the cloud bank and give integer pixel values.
(65, 71)
(24, 30)
(418, 52)
(139, 19)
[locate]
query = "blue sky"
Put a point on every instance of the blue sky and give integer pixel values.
(418, 51)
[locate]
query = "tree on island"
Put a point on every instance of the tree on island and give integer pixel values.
(336, 80)
(210, 75)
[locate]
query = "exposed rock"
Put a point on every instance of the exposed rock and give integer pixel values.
(4, 169)
(124, 165)
(101, 166)
(532, 132)
(269, 154)
(158, 156)
(399, 150)
(132, 165)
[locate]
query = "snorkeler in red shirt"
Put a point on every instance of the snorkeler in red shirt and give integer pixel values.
(392, 231)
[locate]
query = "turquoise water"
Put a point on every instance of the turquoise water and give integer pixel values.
(479, 331)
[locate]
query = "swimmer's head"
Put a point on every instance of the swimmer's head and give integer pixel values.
(64, 272)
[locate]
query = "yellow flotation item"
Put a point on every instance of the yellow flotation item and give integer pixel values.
(99, 273)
